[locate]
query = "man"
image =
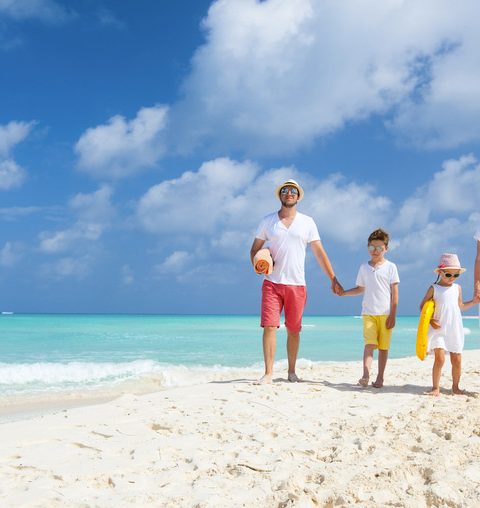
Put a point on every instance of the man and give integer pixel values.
(287, 233)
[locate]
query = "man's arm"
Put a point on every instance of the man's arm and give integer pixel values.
(325, 265)
(256, 246)
(476, 282)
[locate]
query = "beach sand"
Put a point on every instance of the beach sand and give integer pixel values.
(323, 442)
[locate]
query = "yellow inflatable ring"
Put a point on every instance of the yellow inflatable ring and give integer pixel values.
(422, 332)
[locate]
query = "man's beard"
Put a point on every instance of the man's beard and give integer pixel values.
(288, 205)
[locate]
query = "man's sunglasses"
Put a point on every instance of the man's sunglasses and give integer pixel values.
(293, 191)
(448, 275)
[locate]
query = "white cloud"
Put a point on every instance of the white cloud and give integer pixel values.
(275, 75)
(128, 277)
(93, 212)
(45, 10)
(175, 263)
(11, 134)
(11, 174)
(68, 267)
(453, 190)
(121, 148)
(10, 254)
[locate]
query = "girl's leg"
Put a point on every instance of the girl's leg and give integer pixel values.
(367, 364)
(456, 361)
(437, 371)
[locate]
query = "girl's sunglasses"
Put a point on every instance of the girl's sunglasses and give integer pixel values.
(448, 275)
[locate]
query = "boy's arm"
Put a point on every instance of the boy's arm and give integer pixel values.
(322, 259)
(357, 290)
(476, 280)
(466, 305)
(390, 323)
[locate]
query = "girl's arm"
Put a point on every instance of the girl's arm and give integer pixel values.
(357, 290)
(428, 296)
(466, 305)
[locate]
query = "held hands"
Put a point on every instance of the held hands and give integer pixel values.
(337, 287)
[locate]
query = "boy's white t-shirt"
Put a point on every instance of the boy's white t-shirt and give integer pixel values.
(287, 246)
(377, 282)
(477, 235)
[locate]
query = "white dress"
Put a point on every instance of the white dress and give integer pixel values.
(450, 336)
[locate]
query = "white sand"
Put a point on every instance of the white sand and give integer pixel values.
(324, 442)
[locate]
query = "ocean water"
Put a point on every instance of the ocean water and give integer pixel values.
(50, 353)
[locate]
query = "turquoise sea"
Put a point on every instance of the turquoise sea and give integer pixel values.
(45, 353)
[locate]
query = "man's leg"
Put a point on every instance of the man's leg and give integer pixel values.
(293, 344)
(269, 347)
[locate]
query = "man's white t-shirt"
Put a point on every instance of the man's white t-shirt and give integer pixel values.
(287, 246)
(377, 281)
(477, 235)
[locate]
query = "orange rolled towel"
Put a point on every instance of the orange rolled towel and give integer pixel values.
(263, 262)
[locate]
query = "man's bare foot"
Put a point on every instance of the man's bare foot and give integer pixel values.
(457, 391)
(363, 381)
(264, 380)
(293, 378)
(378, 383)
(435, 392)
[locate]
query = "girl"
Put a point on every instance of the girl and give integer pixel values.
(446, 328)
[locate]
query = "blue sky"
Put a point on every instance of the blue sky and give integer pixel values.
(140, 144)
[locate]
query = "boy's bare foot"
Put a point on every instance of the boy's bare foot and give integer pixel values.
(434, 393)
(293, 378)
(378, 383)
(363, 381)
(264, 380)
(457, 391)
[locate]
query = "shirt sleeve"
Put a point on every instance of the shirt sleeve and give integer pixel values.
(360, 278)
(313, 234)
(394, 278)
(262, 230)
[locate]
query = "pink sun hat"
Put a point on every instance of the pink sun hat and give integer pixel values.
(449, 262)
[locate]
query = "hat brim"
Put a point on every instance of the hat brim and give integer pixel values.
(462, 270)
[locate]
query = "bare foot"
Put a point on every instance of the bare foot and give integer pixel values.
(363, 381)
(457, 391)
(264, 380)
(434, 393)
(378, 383)
(293, 378)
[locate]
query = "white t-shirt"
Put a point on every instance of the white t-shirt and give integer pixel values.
(287, 246)
(377, 281)
(477, 235)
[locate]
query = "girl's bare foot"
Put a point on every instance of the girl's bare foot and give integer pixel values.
(264, 380)
(434, 393)
(457, 391)
(363, 381)
(378, 383)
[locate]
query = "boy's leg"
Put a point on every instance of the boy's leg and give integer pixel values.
(367, 364)
(384, 336)
(382, 363)
(437, 371)
(456, 361)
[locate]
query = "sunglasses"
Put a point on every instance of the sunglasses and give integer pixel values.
(448, 275)
(292, 190)
(373, 248)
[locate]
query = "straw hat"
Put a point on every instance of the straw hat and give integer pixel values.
(291, 183)
(449, 262)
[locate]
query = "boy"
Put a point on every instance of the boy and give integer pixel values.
(378, 281)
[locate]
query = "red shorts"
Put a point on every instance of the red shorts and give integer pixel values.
(276, 297)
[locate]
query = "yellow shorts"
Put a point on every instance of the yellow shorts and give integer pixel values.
(375, 331)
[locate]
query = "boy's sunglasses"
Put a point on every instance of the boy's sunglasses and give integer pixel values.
(373, 248)
(293, 190)
(448, 275)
